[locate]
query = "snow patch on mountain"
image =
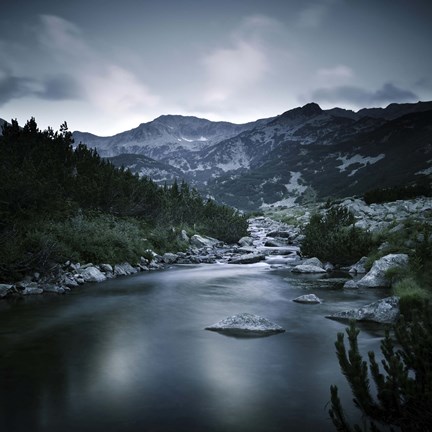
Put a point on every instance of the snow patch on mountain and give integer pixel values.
(358, 159)
(294, 186)
(427, 171)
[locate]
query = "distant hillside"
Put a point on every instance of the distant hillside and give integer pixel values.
(303, 153)
(146, 167)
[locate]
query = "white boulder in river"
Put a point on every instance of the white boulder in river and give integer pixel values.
(307, 268)
(246, 324)
(308, 299)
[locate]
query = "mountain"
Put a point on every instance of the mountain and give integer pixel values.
(146, 167)
(165, 137)
(396, 152)
(2, 122)
(304, 153)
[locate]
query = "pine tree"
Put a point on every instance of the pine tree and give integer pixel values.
(404, 392)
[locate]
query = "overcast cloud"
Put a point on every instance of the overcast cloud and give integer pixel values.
(106, 66)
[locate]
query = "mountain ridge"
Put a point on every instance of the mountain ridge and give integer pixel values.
(303, 153)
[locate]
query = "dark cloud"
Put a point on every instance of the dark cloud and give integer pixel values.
(12, 87)
(59, 87)
(361, 97)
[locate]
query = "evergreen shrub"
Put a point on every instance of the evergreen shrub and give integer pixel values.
(332, 236)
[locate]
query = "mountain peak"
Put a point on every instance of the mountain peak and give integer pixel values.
(309, 110)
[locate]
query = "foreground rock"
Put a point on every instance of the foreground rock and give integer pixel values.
(376, 278)
(384, 311)
(246, 324)
(307, 268)
(307, 299)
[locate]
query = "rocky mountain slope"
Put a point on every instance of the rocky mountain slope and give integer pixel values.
(304, 153)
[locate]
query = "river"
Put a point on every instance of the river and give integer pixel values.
(131, 354)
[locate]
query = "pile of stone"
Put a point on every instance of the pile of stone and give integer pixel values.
(376, 217)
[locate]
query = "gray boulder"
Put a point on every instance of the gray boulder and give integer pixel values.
(307, 268)
(280, 234)
(91, 274)
(55, 289)
(124, 269)
(247, 259)
(350, 284)
(276, 243)
(246, 241)
(203, 241)
(307, 298)
(106, 268)
(31, 291)
(169, 258)
(328, 267)
(359, 266)
(313, 261)
(6, 289)
(384, 311)
(376, 276)
(246, 324)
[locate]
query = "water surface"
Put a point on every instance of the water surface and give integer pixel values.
(132, 354)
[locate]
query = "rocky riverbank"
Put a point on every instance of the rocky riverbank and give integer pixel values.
(267, 238)
(270, 242)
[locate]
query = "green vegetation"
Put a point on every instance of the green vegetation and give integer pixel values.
(380, 195)
(414, 283)
(58, 202)
(332, 236)
(403, 391)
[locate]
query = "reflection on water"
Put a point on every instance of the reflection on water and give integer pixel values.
(132, 354)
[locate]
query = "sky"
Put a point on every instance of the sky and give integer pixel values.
(106, 66)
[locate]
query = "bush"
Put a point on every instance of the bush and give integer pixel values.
(380, 195)
(404, 390)
(333, 237)
(96, 238)
(412, 296)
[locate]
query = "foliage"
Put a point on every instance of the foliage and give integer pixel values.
(403, 391)
(411, 294)
(58, 201)
(415, 239)
(332, 236)
(380, 195)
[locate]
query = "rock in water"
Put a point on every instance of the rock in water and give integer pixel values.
(313, 261)
(307, 268)
(246, 324)
(247, 259)
(384, 311)
(307, 298)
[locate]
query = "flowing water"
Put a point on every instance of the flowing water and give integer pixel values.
(132, 354)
